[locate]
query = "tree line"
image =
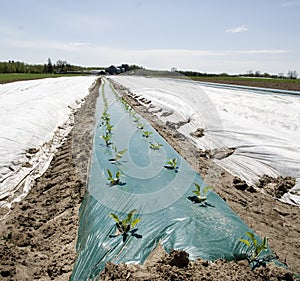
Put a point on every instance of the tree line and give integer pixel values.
(62, 66)
(20, 67)
(291, 74)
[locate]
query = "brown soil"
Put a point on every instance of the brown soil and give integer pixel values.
(176, 266)
(268, 83)
(39, 235)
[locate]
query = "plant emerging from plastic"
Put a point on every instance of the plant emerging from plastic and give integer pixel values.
(106, 122)
(254, 248)
(105, 101)
(128, 108)
(140, 126)
(109, 127)
(118, 154)
(200, 196)
(171, 164)
(113, 180)
(155, 146)
(126, 225)
(107, 138)
(136, 119)
(147, 134)
(105, 117)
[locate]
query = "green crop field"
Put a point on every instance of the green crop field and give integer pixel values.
(11, 77)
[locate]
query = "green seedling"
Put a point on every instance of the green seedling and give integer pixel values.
(147, 134)
(118, 154)
(171, 164)
(107, 138)
(113, 180)
(105, 116)
(140, 126)
(109, 127)
(131, 111)
(136, 119)
(254, 247)
(201, 198)
(124, 226)
(127, 106)
(155, 146)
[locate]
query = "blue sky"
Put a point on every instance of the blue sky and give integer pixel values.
(210, 36)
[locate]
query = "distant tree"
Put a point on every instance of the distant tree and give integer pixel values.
(292, 74)
(20, 67)
(125, 67)
(134, 66)
(257, 73)
(223, 74)
(266, 75)
(49, 66)
(59, 67)
(250, 73)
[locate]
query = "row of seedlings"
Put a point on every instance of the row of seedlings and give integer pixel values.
(253, 249)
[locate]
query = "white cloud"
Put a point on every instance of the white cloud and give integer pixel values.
(79, 44)
(238, 29)
(274, 51)
(85, 49)
(82, 53)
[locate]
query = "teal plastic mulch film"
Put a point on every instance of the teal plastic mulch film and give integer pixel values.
(163, 198)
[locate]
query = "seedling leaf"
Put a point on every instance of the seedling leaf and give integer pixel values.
(135, 222)
(254, 248)
(120, 154)
(125, 225)
(155, 146)
(115, 217)
(197, 192)
(109, 174)
(147, 134)
(171, 164)
(197, 187)
(140, 126)
(118, 174)
(201, 195)
(113, 180)
(247, 242)
(130, 215)
(207, 189)
(251, 236)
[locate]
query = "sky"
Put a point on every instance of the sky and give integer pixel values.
(215, 36)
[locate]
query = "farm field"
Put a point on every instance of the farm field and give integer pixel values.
(13, 77)
(26, 249)
(283, 84)
(35, 116)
